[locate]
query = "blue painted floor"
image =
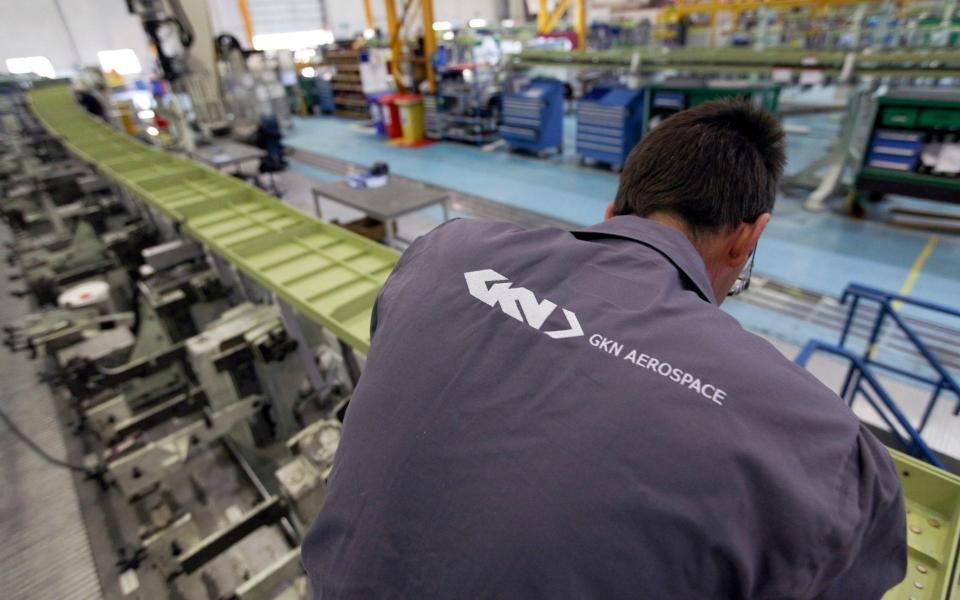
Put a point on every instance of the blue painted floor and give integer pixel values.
(820, 252)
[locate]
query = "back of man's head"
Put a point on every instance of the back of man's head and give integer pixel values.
(713, 166)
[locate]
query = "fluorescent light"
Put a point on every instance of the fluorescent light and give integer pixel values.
(308, 72)
(38, 65)
(294, 40)
(508, 23)
(146, 114)
(442, 26)
(153, 130)
(369, 34)
(124, 61)
(478, 23)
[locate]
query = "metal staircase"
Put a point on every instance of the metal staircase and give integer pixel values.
(861, 380)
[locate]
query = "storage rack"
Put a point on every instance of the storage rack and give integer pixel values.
(609, 124)
(533, 116)
(318, 90)
(670, 97)
(902, 157)
(464, 109)
(348, 97)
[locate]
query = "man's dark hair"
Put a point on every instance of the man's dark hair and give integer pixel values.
(715, 165)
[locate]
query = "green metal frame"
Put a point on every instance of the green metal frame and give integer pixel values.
(767, 94)
(870, 178)
(330, 275)
(920, 63)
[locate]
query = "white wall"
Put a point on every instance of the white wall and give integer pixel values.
(347, 15)
(34, 28)
(344, 17)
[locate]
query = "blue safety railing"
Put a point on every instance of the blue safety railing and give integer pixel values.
(854, 387)
(942, 381)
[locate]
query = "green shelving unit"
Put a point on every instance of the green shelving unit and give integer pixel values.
(330, 275)
(901, 156)
(668, 98)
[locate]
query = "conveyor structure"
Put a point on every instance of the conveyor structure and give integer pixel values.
(330, 275)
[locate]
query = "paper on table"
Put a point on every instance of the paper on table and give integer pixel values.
(949, 160)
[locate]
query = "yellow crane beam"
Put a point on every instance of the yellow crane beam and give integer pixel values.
(395, 33)
(247, 21)
(548, 20)
(429, 42)
(396, 45)
(368, 13)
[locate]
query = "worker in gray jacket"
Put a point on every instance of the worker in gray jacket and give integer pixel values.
(555, 414)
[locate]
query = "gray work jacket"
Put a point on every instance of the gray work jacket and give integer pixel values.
(547, 414)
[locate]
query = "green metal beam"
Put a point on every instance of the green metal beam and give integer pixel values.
(330, 275)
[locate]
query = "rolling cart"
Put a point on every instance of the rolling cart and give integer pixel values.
(533, 117)
(609, 124)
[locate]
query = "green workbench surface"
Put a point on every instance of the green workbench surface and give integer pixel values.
(327, 273)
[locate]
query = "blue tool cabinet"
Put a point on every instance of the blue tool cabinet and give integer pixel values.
(533, 117)
(609, 124)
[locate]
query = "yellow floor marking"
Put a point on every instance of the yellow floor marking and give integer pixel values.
(916, 268)
(911, 280)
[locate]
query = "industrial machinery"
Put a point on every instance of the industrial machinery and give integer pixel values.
(208, 416)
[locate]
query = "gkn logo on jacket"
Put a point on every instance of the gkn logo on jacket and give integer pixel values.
(492, 288)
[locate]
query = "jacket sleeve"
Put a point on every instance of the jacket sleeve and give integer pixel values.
(871, 524)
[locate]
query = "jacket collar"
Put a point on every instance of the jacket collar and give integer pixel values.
(669, 242)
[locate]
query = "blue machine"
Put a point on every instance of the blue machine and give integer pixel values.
(609, 124)
(533, 117)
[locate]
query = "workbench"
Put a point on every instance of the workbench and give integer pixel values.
(225, 154)
(388, 203)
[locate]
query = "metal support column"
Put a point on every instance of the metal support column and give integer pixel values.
(304, 350)
(247, 21)
(396, 48)
(368, 13)
(581, 24)
(429, 42)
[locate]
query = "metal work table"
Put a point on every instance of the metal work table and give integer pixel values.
(387, 203)
(226, 154)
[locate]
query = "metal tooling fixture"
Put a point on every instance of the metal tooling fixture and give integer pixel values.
(140, 470)
(107, 416)
(330, 275)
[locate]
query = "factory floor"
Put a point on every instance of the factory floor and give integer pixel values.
(45, 552)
